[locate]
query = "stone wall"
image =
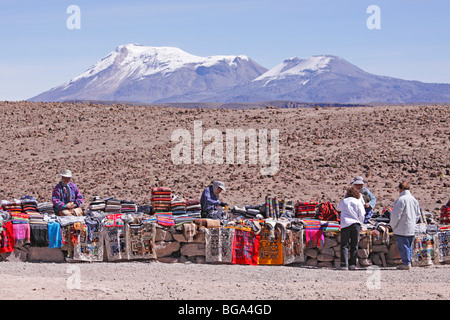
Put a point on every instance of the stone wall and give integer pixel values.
(172, 246)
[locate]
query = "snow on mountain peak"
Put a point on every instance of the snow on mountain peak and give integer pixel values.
(138, 61)
(296, 66)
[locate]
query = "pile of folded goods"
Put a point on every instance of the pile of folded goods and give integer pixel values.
(111, 205)
(161, 199)
(178, 206)
(306, 210)
(274, 207)
(193, 208)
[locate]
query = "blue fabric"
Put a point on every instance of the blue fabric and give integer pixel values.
(54, 235)
(209, 200)
(405, 248)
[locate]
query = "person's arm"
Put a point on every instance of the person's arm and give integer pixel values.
(396, 213)
(78, 196)
(56, 199)
(361, 212)
(373, 201)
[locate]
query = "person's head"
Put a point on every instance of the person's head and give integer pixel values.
(66, 175)
(218, 187)
(352, 192)
(403, 186)
(357, 183)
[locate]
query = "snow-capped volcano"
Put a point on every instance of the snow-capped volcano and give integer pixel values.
(146, 74)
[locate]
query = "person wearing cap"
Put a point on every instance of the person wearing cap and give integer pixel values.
(210, 202)
(368, 198)
(404, 216)
(66, 196)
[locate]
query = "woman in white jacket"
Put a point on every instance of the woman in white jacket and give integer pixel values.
(352, 217)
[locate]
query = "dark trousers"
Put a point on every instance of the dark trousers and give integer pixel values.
(349, 244)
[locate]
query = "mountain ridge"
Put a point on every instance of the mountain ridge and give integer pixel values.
(146, 74)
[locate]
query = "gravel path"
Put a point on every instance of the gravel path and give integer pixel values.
(160, 281)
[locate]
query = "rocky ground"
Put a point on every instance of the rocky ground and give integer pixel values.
(123, 151)
(161, 281)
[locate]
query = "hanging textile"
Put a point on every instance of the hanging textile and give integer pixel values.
(293, 247)
(141, 241)
(115, 238)
(270, 248)
(423, 250)
(90, 244)
(219, 244)
(245, 247)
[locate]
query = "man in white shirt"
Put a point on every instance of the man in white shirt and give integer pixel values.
(404, 216)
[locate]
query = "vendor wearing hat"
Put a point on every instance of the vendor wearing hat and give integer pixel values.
(367, 196)
(210, 201)
(66, 197)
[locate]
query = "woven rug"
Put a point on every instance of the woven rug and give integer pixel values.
(245, 247)
(90, 246)
(219, 244)
(141, 241)
(442, 247)
(270, 249)
(423, 250)
(294, 247)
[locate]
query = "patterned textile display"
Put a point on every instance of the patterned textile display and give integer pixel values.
(54, 235)
(165, 219)
(38, 235)
(161, 199)
(6, 237)
(442, 247)
(313, 233)
(141, 241)
(423, 250)
(178, 206)
(90, 242)
(294, 247)
(305, 209)
(331, 226)
(219, 244)
(21, 228)
(193, 208)
(245, 247)
(114, 234)
(270, 249)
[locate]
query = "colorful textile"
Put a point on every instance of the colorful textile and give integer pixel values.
(165, 219)
(113, 220)
(219, 245)
(115, 243)
(293, 247)
(90, 244)
(330, 226)
(21, 233)
(141, 241)
(6, 238)
(38, 235)
(54, 235)
(245, 247)
(270, 249)
(442, 245)
(314, 233)
(423, 250)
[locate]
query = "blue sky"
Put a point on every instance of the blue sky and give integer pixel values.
(38, 50)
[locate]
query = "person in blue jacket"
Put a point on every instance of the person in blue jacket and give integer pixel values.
(369, 198)
(210, 201)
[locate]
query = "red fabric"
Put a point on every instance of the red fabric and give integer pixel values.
(245, 247)
(7, 239)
